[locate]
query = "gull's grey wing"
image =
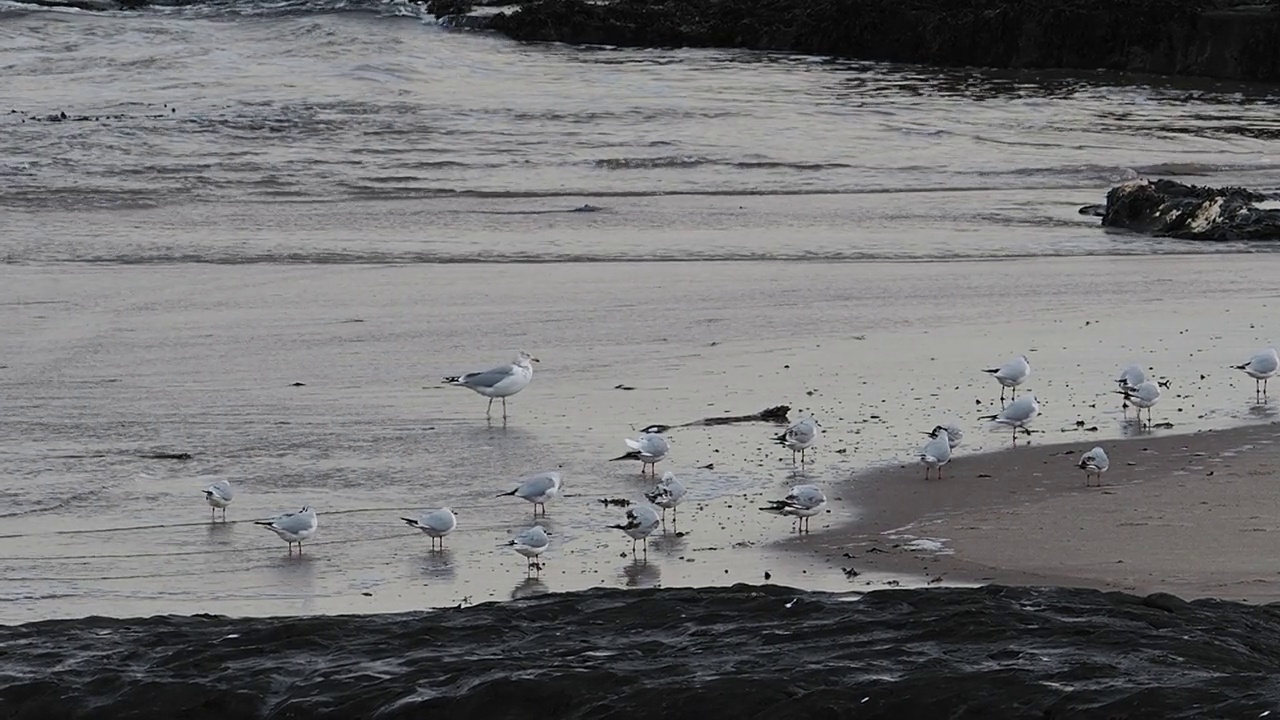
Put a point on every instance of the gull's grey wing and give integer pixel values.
(487, 378)
(297, 522)
(538, 484)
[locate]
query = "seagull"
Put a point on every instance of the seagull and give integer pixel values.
(936, 452)
(954, 434)
(500, 382)
(667, 494)
(293, 527)
(1018, 415)
(1011, 374)
(802, 435)
(1094, 463)
(1143, 396)
(642, 520)
(537, 489)
(1130, 378)
(530, 543)
(219, 495)
(649, 449)
(803, 502)
(436, 524)
(1261, 367)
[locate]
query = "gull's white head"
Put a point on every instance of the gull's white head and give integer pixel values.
(524, 358)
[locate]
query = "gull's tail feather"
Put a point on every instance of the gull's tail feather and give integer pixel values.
(781, 439)
(508, 494)
(988, 417)
(633, 455)
(993, 371)
(776, 506)
(410, 521)
(452, 379)
(264, 523)
(1240, 367)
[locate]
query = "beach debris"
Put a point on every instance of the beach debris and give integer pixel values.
(776, 414)
(166, 455)
(708, 466)
(297, 384)
(767, 576)
(619, 502)
(620, 386)
(935, 580)
(850, 573)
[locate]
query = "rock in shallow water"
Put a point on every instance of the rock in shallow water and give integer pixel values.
(740, 652)
(1166, 208)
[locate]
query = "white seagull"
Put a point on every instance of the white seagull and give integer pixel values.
(435, 524)
(537, 489)
(1018, 415)
(800, 436)
(1142, 396)
(530, 543)
(293, 527)
(667, 494)
(500, 382)
(1261, 367)
(954, 434)
(1130, 378)
(219, 495)
(649, 449)
(1011, 374)
(936, 452)
(802, 503)
(1094, 463)
(642, 520)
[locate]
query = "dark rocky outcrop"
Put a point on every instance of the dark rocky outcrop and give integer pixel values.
(1217, 38)
(1166, 208)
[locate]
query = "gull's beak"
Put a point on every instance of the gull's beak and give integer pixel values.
(535, 359)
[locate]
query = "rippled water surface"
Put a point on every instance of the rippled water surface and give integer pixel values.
(251, 133)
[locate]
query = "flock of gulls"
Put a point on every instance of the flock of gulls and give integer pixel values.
(651, 447)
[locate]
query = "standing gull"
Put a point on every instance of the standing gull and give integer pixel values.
(802, 503)
(1143, 396)
(530, 543)
(649, 449)
(1011, 374)
(936, 452)
(1261, 367)
(642, 520)
(537, 489)
(293, 527)
(1018, 415)
(500, 382)
(667, 494)
(219, 495)
(1094, 463)
(435, 523)
(801, 436)
(1130, 378)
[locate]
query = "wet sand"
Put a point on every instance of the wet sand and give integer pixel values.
(1194, 515)
(103, 364)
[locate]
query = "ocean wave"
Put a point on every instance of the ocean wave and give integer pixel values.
(743, 651)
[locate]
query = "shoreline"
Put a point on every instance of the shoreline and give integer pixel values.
(1024, 517)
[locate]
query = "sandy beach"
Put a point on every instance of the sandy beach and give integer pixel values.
(105, 365)
(1191, 515)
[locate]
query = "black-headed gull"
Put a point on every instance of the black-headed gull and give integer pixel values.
(1261, 367)
(537, 489)
(435, 524)
(802, 503)
(1094, 463)
(219, 495)
(293, 527)
(1011, 374)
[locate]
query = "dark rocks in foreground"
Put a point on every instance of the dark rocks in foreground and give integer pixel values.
(1216, 38)
(1166, 208)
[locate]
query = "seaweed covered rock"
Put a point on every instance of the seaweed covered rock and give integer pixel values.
(1222, 38)
(1167, 208)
